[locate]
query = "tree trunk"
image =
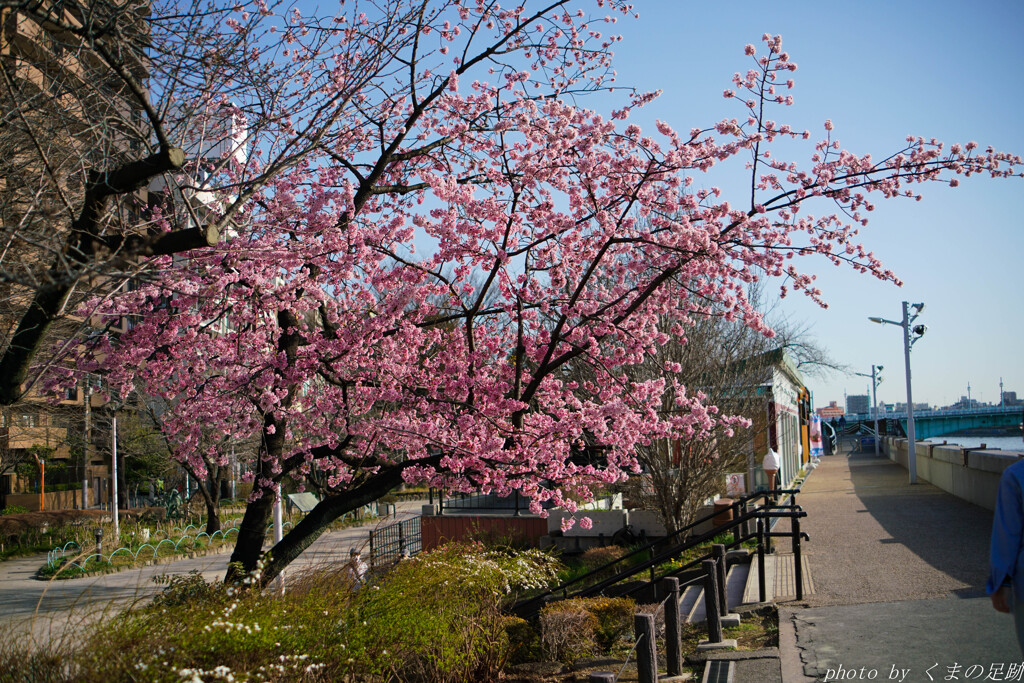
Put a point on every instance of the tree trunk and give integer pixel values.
(212, 499)
(251, 535)
(320, 517)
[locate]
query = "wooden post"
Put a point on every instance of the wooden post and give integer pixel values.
(760, 561)
(711, 602)
(798, 571)
(646, 653)
(673, 627)
(718, 552)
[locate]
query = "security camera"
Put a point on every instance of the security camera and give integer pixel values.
(919, 330)
(918, 307)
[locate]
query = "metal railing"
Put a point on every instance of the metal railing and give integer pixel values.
(390, 543)
(485, 501)
(647, 558)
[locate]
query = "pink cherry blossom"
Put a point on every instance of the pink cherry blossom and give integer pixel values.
(452, 287)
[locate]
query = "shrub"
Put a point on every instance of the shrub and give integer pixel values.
(437, 617)
(568, 631)
(597, 557)
(567, 638)
(432, 618)
(185, 589)
(13, 510)
(614, 618)
(523, 639)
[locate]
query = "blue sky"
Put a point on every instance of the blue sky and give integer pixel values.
(880, 71)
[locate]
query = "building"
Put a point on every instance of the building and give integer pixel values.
(69, 118)
(832, 410)
(858, 404)
(920, 407)
(784, 423)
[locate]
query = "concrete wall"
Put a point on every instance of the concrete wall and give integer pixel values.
(970, 474)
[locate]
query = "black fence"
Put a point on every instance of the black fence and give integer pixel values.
(486, 501)
(388, 544)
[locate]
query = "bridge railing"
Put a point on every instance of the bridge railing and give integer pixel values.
(918, 414)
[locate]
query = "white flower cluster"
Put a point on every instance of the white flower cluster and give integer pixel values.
(220, 673)
(288, 663)
(229, 626)
(526, 569)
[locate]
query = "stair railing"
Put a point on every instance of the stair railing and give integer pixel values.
(630, 565)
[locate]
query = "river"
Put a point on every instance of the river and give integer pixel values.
(1006, 443)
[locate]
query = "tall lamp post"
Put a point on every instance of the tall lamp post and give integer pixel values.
(876, 379)
(910, 335)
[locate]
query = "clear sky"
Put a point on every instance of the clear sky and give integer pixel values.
(880, 71)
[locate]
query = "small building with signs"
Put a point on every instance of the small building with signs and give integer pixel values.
(783, 423)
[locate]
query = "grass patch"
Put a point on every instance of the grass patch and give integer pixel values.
(759, 629)
(436, 617)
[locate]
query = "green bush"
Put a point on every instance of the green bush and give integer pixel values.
(436, 617)
(598, 557)
(13, 510)
(185, 589)
(614, 618)
(523, 640)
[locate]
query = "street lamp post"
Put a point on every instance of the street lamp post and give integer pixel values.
(875, 381)
(908, 341)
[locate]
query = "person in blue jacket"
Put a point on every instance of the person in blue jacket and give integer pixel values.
(1006, 559)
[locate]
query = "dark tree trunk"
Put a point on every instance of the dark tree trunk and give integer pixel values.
(251, 535)
(212, 499)
(320, 517)
(210, 491)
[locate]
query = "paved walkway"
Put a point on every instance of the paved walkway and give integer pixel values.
(899, 574)
(50, 609)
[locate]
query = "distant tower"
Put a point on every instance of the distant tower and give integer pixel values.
(1000, 392)
(968, 394)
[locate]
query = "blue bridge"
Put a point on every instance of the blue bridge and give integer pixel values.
(930, 423)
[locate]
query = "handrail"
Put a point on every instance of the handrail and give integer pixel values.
(630, 570)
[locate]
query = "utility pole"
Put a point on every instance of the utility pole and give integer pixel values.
(113, 460)
(87, 394)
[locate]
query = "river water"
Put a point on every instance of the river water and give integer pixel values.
(1006, 443)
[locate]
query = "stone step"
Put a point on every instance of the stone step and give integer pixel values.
(692, 605)
(780, 578)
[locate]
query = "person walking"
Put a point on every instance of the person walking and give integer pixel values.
(1006, 557)
(355, 570)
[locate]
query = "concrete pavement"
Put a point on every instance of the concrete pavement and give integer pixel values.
(899, 575)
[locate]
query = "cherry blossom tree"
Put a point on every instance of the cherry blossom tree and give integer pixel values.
(413, 301)
(101, 103)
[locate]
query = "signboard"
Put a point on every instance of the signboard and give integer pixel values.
(735, 485)
(817, 450)
(304, 501)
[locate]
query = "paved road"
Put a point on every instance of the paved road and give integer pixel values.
(899, 573)
(49, 609)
